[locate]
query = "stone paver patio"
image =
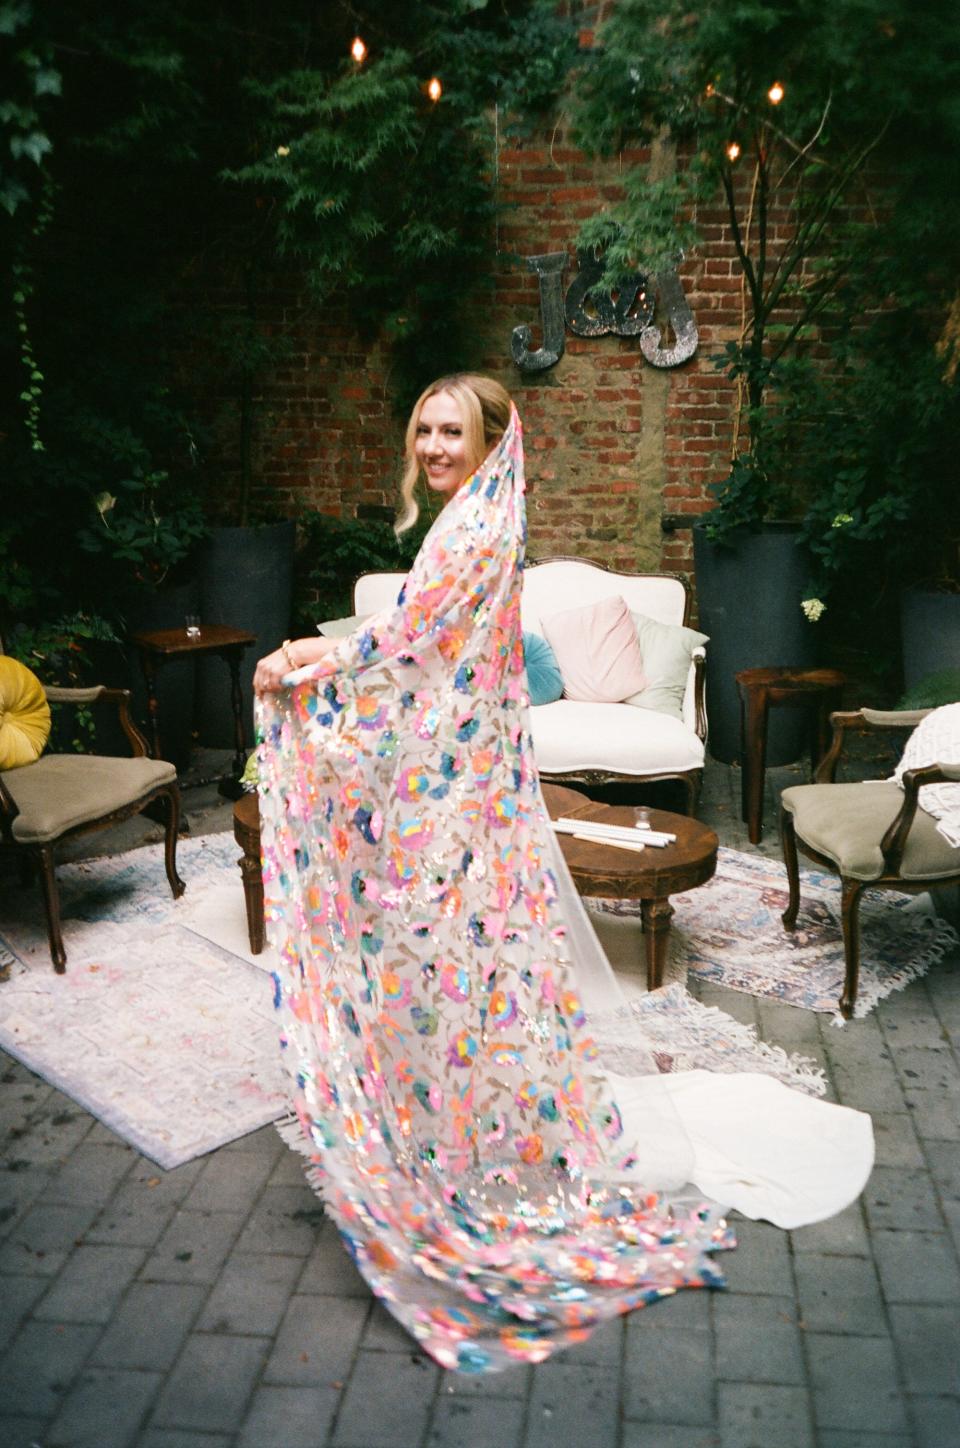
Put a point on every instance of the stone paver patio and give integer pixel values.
(211, 1306)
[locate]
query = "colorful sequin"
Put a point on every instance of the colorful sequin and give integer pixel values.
(442, 1070)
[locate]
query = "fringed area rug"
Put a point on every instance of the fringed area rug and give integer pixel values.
(165, 1037)
(729, 932)
(163, 1026)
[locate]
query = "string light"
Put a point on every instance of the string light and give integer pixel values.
(775, 93)
(709, 90)
(358, 50)
(434, 89)
(733, 150)
(283, 150)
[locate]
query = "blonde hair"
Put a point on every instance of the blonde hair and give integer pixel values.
(485, 409)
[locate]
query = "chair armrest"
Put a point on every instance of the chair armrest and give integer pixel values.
(894, 841)
(96, 694)
(699, 657)
(862, 719)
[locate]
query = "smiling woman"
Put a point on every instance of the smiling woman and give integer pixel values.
(440, 446)
(449, 1021)
(454, 425)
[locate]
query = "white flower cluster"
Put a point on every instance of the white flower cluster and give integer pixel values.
(813, 608)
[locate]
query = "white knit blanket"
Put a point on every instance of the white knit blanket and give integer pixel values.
(936, 740)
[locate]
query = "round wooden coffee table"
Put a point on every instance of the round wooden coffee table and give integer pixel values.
(650, 876)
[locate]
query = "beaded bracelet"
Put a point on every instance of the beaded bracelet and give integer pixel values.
(285, 650)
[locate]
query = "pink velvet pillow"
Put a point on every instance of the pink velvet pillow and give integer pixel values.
(598, 651)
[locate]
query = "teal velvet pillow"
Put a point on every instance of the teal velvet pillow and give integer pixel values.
(544, 680)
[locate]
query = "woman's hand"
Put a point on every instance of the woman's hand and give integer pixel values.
(270, 672)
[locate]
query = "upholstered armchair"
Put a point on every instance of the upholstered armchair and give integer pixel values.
(872, 834)
(59, 796)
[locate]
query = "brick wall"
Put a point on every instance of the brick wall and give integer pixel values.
(613, 444)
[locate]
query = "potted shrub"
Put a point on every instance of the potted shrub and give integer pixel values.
(799, 139)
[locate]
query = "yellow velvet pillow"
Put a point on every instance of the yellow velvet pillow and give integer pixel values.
(24, 715)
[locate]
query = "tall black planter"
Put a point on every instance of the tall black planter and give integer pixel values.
(246, 580)
(930, 633)
(749, 597)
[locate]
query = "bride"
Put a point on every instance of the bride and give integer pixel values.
(448, 1017)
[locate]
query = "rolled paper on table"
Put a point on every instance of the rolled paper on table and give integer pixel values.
(599, 831)
(634, 845)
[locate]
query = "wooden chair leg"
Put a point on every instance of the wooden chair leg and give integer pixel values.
(692, 784)
(51, 899)
(170, 844)
(851, 890)
(788, 840)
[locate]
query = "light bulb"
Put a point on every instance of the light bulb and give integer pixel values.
(434, 89)
(775, 93)
(358, 50)
(709, 90)
(733, 150)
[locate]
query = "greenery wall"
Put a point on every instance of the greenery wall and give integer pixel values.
(146, 144)
(143, 146)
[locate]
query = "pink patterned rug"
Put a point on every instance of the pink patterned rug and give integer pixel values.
(729, 932)
(168, 1039)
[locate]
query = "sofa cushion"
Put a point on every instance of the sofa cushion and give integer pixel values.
(62, 791)
(846, 822)
(666, 650)
(597, 650)
(339, 628)
(572, 735)
(544, 680)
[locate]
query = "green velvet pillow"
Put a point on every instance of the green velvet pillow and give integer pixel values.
(667, 649)
(544, 680)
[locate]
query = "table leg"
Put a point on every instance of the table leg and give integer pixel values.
(656, 916)
(236, 703)
(754, 761)
(253, 899)
(150, 679)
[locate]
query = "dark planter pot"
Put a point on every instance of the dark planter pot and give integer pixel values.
(929, 633)
(749, 598)
(246, 581)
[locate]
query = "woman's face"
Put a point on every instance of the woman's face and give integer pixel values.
(440, 446)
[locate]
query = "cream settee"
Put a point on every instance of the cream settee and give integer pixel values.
(594, 743)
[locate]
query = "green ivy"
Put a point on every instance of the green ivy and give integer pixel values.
(337, 550)
(58, 654)
(841, 199)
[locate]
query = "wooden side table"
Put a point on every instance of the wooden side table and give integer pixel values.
(157, 646)
(650, 876)
(760, 691)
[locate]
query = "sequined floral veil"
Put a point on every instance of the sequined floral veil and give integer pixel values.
(444, 1081)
